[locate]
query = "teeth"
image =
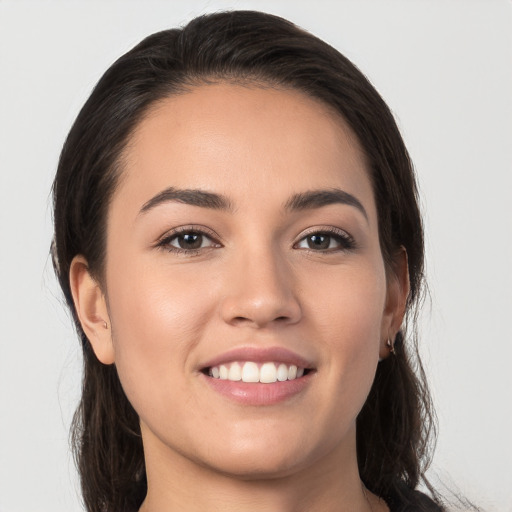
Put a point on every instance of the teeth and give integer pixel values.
(282, 372)
(252, 372)
(268, 373)
(223, 372)
(235, 372)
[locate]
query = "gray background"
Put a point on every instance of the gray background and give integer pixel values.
(444, 67)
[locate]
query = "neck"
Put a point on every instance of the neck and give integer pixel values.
(329, 484)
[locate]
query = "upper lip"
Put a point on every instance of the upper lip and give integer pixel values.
(259, 355)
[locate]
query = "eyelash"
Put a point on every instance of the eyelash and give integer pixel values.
(165, 242)
(345, 241)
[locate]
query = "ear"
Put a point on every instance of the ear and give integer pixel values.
(398, 287)
(91, 308)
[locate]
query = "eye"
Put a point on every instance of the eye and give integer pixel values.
(187, 240)
(327, 241)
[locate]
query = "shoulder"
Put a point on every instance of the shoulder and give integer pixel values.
(407, 500)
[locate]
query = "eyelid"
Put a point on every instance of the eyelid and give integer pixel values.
(163, 241)
(328, 230)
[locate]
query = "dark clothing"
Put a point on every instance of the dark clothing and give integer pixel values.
(411, 501)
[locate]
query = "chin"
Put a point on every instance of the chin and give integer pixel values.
(260, 467)
(268, 460)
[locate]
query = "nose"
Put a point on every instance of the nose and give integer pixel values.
(260, 291)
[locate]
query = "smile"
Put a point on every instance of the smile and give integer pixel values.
(258, 376)
(253, 372)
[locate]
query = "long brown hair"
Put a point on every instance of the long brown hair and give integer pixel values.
(395, 427)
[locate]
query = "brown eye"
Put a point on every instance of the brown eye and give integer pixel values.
(319, 241)
(188, 241)
(326, 241)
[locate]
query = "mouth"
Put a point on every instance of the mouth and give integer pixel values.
(267, 372)
(259, 376)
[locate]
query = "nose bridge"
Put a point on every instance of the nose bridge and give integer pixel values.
(260, 289)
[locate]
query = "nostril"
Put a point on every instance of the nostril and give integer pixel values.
(240, 319)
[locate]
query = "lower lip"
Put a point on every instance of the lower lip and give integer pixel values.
(249, 393)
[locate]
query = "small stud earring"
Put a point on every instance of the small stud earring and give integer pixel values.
(391, 346)
(105, 325)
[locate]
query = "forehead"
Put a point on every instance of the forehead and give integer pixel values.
(242, 139)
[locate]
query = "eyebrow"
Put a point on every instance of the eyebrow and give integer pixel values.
(193, 197)
(318, 198)
(301, 201)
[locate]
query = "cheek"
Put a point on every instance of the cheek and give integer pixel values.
(156, 320)
(348, 303)
(346, 311)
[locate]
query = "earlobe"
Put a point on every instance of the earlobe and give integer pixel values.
(91, 308)
(398, 287)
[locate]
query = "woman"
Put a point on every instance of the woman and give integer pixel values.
(238, 238)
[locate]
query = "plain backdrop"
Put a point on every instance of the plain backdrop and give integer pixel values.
(445, 69)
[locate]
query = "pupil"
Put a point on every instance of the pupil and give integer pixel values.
(319, 241)
(190, 241)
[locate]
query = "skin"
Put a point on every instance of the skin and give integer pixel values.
(254, 282)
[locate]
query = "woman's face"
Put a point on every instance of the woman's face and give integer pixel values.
(242, 243)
